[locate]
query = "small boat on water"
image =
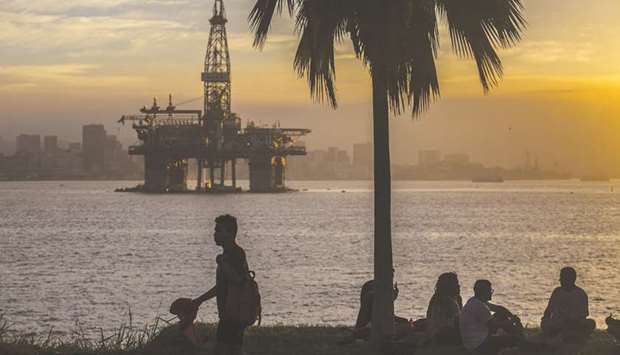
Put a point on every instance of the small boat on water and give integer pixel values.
(489, 178)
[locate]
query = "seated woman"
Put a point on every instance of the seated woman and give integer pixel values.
(443, 311)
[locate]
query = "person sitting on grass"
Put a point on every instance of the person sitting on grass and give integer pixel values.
(567, 313)
(186, 310)
(364, 316)
(443, 311)
(480, 320)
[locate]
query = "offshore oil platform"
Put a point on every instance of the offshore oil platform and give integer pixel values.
(171, 137)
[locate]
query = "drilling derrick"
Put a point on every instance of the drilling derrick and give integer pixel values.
(217, 95)
(216, 77)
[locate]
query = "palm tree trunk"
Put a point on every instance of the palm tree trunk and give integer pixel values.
(383, 308)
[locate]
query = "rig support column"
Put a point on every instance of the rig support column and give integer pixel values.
(233, 170)
(278, 172)
(211, 175)
(200, 168)
(155, 173)
(261, 174)
(223, 173)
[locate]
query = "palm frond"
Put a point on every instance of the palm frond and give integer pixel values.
(402, 36)
(423, 43)
(262, 14)
(321, 24)
(397, 38)
(376, 30)
(478, 27)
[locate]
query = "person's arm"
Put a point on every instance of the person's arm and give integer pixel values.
(584, 311)
(550, 305)
(501, 310)
(492, 307)
(205, 296)
(500, 319)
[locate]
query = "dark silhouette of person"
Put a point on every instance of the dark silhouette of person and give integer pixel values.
(613, 328)
(232, 267)
(367, 297)
(364, 315)
(186, 310)
(480, 320)
(567, 313)
(443, 311)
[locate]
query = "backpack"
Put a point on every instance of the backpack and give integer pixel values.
(243, 302)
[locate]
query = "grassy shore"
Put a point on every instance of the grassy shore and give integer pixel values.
(271, 340)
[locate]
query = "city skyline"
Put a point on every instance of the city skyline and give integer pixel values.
(10, 147)
(100, 59)
(100, 155)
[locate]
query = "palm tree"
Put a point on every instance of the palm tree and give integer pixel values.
(398, 41)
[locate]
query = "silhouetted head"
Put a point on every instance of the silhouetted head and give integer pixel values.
(185, 310)
(225, 230)
(483, 290)
(447, 286)
(568, 277)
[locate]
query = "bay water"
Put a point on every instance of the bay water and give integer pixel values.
(77, 254)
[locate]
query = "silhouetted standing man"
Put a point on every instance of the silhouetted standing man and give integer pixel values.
(232, 268)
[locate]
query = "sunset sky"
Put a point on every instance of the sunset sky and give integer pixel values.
(66, 63)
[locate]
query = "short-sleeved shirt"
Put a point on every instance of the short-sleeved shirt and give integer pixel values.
(473, 323)
(235, 257)
(567, 305)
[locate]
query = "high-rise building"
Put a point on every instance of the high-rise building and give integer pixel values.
(343, 157)
(28, 144)
(50, 145)
(456, 159)
(3, 147)
(113, 153)
(335, 155)
(74, 147)
(362, 160)
(362, 155)
(93, 147)
(429, 158)
(332, 154)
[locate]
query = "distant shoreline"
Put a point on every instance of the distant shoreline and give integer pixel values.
(611, 179)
